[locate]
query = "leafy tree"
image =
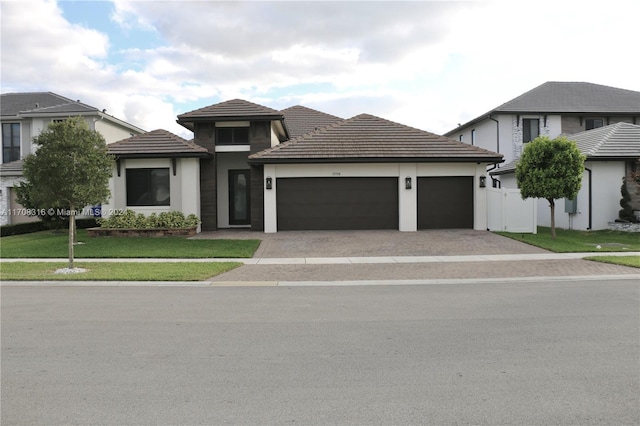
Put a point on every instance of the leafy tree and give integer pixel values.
(69, 170)
(550, 169)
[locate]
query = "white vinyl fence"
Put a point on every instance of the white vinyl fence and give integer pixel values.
(508, 212)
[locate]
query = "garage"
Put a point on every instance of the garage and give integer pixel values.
(445, 202)
(337, 203)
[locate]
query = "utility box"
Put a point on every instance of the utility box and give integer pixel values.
(571, 206)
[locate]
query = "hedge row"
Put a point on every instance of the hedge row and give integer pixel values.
(29, 227)
(132, 220)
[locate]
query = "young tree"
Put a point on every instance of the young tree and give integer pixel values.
(70, 170)
(550, 169)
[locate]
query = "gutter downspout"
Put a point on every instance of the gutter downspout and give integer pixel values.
(495, 166)
(497, 133)
(590, 199)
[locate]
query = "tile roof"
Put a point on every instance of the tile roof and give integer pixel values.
(301, 120)
(12, 104)
(237, 109)
(157, 143)
(575, 97)
(567, 97)
(619, 141)
(366, 138)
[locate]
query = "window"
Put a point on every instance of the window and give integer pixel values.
(148, 187)
(530, 129)
(461, 138)
(10, 142)
(593, 123)
(232, 136)
(473, 137)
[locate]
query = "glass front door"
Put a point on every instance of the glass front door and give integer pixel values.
(239, 200)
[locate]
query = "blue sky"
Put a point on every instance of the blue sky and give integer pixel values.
(430, 65)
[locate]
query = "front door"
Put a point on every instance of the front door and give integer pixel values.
(239, 201)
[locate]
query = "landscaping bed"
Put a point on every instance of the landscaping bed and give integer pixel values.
(140, 232)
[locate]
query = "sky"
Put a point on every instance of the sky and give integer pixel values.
(426, 64)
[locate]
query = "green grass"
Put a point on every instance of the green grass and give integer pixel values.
(633, 261)
(568, 241)
(50, 244)
(115, 271)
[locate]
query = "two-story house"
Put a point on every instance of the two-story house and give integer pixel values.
(24, 116)
(574, 109)
(298, 169)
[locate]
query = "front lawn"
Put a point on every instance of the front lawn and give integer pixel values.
(115, 271)
(52, 244)
(633, 261)
(568, 241)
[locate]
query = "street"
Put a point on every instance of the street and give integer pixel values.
(505, 353)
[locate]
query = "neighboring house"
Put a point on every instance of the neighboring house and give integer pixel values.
(23, 117)
(612, 153)
(300, 169)
(551, 109)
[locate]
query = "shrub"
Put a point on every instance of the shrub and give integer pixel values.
(626, 213)
(132, 220)
(22, 228)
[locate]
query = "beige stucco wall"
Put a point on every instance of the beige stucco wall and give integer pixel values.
(407, 202)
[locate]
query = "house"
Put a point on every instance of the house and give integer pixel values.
(299, 169)
(611, 154)
(23, 117)
(551, 109)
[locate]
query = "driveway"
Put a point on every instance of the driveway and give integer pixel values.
(447, 242)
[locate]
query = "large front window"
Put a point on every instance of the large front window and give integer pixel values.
(148, 187)
(232, 136)
(530, 129)
(10, 142)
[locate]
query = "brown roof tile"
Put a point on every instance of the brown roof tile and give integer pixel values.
(157, 143)
(366, 138)
(229, 110)
(301, 120)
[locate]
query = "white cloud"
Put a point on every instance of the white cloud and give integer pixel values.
(425, 64)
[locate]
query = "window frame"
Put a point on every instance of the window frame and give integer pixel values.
(593, 120)
(149, 184)
(11, 149)
(527, 129)
(234, 135)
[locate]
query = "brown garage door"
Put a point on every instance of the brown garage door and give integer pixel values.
(445, 202)
(337, 203)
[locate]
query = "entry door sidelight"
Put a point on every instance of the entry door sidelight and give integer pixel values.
(239, 200)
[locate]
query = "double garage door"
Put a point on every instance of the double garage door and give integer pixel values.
(371, 203)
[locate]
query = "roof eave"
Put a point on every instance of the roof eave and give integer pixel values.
(325, 160)
(163, 155)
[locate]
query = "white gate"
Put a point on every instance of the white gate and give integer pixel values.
(508, 212)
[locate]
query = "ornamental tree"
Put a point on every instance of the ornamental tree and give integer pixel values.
(69, 170)
(550, 169)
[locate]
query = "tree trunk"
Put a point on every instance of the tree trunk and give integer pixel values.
(552, 205)
(72, 235)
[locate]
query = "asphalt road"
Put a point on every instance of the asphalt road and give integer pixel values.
(527, 353)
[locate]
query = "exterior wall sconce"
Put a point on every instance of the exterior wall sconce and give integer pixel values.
(407, 182)
(483, 181)
(269, 183)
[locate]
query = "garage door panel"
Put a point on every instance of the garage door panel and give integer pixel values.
(445, 202)
(337, 203)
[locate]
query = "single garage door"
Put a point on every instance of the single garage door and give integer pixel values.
(445, 202)
(337, 203)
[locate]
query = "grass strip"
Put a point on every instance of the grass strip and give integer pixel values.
(633, 261)
(571, 241)
(52, 244)
(115, 271)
